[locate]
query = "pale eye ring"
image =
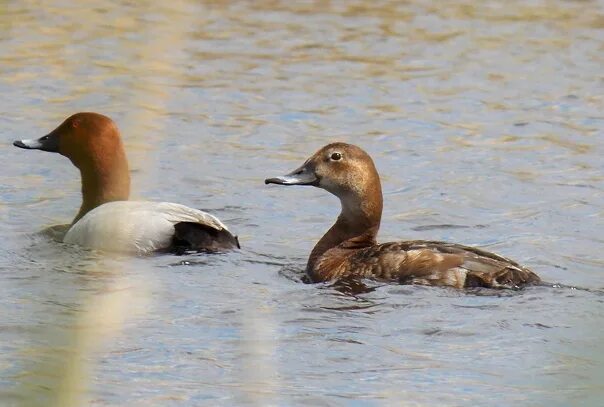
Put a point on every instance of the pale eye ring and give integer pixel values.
(336, 156)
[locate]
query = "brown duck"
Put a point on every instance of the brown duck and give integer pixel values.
(349, 248)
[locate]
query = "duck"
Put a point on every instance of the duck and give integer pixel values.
(107, 220)
(349, 249)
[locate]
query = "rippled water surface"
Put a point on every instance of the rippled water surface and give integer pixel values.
(485, 120)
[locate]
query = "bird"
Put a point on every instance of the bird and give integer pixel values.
(349, 249)
(107, 220)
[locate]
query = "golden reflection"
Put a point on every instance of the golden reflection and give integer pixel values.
(61, 373)
(579, 148)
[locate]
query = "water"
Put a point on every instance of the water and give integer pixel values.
(484, 119)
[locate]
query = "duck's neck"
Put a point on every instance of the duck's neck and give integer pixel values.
(104, 179)
(356, 227)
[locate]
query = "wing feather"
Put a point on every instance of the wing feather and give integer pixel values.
(427, 262)
(135, 226)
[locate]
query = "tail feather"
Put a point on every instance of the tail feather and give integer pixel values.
(191, 236)
(506, 277)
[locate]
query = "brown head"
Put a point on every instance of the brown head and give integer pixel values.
(347, 172)
(92, 142)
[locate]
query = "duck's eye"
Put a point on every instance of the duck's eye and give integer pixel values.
(336, 156)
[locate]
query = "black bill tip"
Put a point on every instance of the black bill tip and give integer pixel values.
(47, 143)
(20, 144)
(273, 181)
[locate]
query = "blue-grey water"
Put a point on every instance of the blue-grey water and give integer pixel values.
(485, 120)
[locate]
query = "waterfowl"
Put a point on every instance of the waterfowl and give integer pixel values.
(107, 220)
(349, 248)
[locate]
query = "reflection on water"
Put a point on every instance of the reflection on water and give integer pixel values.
(485, 121)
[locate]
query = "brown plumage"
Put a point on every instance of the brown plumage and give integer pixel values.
(349, 248)
(93, 144)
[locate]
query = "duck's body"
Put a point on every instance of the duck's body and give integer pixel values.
(349, 248)
(140, 227)
(422, 262)
(106, 219)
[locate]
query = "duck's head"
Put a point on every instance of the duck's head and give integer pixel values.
(343, 169)
(82, 137)
(92, 142)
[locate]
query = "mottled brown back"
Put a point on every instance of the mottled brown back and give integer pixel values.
(425, 262)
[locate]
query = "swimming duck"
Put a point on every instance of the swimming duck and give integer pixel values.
(349, 248)
(106, 219)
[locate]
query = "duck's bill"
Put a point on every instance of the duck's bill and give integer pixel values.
(46, 143)
(301, 176)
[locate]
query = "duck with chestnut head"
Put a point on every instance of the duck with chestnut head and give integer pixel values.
(349, 249)
(107, 220)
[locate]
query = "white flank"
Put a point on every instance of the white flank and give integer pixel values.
(135, 227)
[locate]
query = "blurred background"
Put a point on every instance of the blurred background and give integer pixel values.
(485, 120)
